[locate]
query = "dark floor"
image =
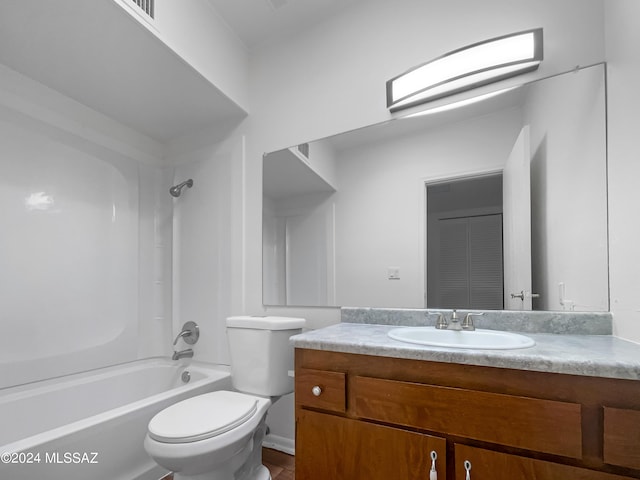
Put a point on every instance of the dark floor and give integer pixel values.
(281, 465)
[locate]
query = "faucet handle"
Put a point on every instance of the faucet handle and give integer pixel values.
(467, 323)
(190, 332)
(183, 333)
(441, 323)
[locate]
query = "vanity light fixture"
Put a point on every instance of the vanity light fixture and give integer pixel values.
(466, 68)
(459, 103)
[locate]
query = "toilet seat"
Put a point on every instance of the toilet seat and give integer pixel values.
(202, 417)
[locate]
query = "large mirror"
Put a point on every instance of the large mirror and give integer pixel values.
(500, 204)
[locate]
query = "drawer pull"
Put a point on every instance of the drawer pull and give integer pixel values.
(467, 467)
(433, 474)
(316, 390)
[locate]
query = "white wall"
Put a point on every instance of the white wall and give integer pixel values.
(77, 192)
(623, 78)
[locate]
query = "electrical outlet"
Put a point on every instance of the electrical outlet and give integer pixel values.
(393, 273)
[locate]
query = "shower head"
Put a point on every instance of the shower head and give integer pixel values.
(177, 189)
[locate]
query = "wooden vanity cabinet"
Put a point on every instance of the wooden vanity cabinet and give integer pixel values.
(370, 417)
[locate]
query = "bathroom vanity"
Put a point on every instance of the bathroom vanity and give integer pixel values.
(369, 407)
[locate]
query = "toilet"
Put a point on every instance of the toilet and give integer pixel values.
(218, 435)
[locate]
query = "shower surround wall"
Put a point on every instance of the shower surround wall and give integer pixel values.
(81, 218)
(206, 226)
(86, 271)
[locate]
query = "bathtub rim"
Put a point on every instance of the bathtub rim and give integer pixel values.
(214, 373)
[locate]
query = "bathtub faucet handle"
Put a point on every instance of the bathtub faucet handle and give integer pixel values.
(183, 333)
(190, 333)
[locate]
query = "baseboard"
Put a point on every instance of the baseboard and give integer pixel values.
(282, 444)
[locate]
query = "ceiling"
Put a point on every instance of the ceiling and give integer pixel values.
(257, 22)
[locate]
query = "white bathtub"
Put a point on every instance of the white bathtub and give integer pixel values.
(92, 425)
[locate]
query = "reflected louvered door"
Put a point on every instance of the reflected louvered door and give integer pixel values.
(453, 284)
(471, 262)
(485, 262)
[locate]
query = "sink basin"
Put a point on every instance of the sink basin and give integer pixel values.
(477, 339)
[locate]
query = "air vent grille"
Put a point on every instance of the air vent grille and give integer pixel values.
(147, 6)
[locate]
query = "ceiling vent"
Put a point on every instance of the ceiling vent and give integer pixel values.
(146, 6)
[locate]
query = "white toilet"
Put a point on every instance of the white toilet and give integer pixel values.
(218, 435)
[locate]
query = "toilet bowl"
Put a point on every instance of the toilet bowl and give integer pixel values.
(218, 435)
(212, 434)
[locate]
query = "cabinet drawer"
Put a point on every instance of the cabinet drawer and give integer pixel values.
(529, 423)
(321, 389)
(622, 437)
(486, 464)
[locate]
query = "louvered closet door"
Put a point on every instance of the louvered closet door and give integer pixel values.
(471, 262)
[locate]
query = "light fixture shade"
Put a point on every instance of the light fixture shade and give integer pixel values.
(466, 68)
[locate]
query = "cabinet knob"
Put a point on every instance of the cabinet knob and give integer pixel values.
(316, 390)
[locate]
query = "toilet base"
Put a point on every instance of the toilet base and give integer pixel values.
(246, 465)
(263, 474)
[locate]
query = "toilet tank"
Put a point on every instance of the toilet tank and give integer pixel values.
(261, 356)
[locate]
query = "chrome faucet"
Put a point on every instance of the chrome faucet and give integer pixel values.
(454, 323)
(190, 333)
(188, 353)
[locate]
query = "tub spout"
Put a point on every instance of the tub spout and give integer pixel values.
(188, 353)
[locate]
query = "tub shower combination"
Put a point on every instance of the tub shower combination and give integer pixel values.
(93, 424)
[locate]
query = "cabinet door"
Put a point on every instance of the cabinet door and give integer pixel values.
(488, 465)
(337, 448)
(622, 437)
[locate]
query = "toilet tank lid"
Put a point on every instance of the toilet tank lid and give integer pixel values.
(266, 322)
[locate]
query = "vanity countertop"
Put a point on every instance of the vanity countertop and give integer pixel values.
(587, 355)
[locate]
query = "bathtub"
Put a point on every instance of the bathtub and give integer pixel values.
(92, 424)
